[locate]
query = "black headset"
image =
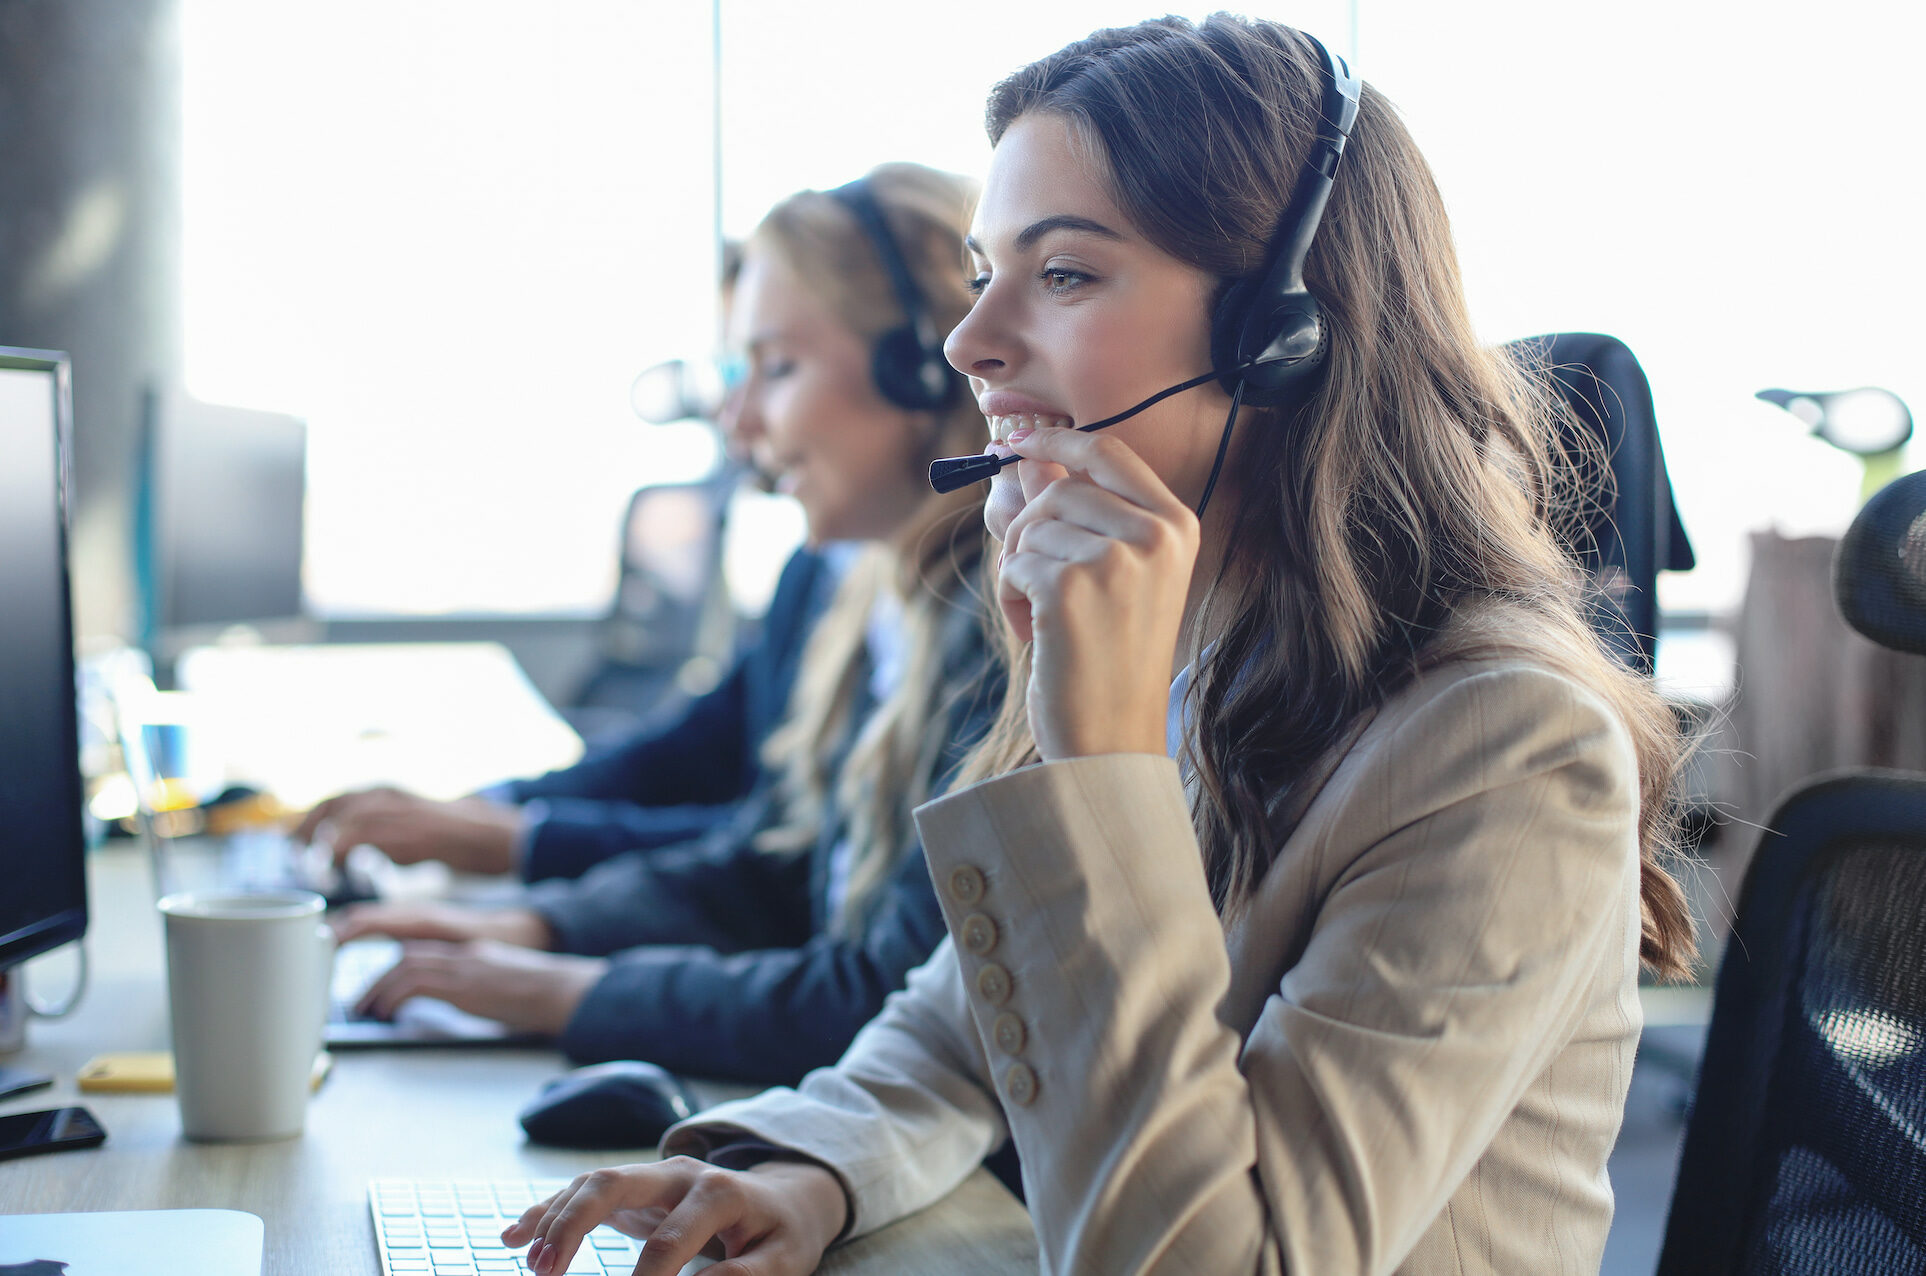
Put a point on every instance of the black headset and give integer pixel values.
(907, 363)
(1267, 338)
(1267, 332)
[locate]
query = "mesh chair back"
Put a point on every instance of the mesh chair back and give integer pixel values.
(670, 566)
(1634, 532)
(1806, 1150)
(1879, 569)
(671, 625)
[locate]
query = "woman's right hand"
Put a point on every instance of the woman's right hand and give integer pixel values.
(773, 1220)
(472, 835)
(451, 923)
(1096, 568)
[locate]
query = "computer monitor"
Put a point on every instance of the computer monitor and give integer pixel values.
(43, 882)
(220, 499)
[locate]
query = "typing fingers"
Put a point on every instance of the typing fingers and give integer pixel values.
(357, 923)
(715, 1216)
(428, 968)
(637, 1198)
(346, 820)
(317, 814)
(402, 921)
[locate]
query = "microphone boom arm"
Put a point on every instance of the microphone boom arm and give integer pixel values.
(950, 473)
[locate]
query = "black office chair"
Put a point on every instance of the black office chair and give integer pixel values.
(1806, 1148)
(671, 626)
(1635, 533)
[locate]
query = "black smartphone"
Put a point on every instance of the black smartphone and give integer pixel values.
(54, 1130)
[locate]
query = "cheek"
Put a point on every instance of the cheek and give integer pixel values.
(812, 417)
(1111, 366)
(873, 446)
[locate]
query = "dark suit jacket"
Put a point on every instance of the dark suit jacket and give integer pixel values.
(723, 963)
(677, 780)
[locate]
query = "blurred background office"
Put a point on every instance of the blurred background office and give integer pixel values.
(448, 235)
(408, 258)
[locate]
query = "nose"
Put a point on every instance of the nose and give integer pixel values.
(981, 346)
(740, 420)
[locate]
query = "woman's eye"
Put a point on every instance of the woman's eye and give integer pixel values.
(774, 368)
(1059, 279)
(976, 284)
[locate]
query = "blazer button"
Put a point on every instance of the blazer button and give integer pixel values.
(966, 884)
(1009, 1033)
(1020, 1084)
(979, 934)
(994, 983)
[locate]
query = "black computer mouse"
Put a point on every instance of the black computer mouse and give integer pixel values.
(624, 1104)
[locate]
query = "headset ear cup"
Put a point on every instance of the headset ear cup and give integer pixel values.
(904, 374)
(1289, 347)
(1226, 324)
(1294, 361)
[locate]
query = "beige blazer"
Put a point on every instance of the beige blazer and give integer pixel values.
(1410, 1056)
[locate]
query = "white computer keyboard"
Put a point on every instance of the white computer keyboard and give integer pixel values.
(454, 1228)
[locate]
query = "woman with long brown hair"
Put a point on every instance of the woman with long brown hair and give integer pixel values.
(1297, 916)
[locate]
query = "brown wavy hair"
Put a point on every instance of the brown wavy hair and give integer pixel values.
(1420, 507)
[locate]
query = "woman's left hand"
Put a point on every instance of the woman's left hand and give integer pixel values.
(1096, 569)
(520, 987)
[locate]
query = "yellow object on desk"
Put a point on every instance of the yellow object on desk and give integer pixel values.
(152, 1072)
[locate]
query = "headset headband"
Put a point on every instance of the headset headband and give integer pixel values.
(1269, 340)
(908, 365)
(1336, 116)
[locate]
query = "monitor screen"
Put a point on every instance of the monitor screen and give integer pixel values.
(224, 508)
(43, 884)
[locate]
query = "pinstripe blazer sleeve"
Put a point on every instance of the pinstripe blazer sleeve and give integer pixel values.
(1441, 954)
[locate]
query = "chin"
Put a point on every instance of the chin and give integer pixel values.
(1004, 503)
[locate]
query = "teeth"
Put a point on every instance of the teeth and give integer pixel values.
(1002, 427)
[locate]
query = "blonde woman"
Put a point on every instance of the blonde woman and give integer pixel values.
(759, 950)
(1297, 915)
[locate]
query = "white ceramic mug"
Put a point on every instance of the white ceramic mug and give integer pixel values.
(247, 983)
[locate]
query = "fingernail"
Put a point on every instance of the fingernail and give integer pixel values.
(1020, 433)
(540, 1257)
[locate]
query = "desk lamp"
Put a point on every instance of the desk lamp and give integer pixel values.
(678, 390)
(1871, 423)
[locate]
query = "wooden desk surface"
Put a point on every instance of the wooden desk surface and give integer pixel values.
(409, 1113)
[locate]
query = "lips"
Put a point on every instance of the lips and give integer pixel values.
(781, 470)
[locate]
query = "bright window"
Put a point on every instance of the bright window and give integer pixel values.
(1728, 189)
(450, 233)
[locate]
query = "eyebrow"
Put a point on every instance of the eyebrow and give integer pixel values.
(1036, 230)
(772, 336)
